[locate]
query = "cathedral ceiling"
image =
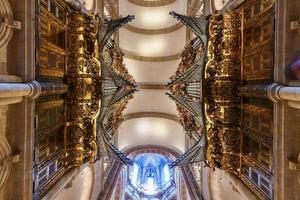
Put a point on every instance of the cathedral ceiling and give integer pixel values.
(152, 58)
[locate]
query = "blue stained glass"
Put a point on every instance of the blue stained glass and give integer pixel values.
(150, 173)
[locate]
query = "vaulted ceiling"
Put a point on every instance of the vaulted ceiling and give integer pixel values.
(152, 44)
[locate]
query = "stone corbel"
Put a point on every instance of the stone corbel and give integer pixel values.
(10, 23)
(295, 166)
(10, 160)
(295, 26)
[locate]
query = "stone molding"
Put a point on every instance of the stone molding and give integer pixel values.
(10, 79)
(151, 114)
(154, 3)
(240, 186)
(295, 166)
(147, 86)
(167, 30)
(6, 157)
(134, 56)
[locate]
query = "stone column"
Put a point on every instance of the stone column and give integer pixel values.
(12, 92)
(274, 92)
(277, 93)
(8, 90)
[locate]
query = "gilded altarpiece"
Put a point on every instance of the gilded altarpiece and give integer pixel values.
(84, 80)
(69, 47)
(222, 79)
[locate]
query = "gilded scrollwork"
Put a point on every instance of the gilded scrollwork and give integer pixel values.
(222, 79)
(187, 59)
(84, 80)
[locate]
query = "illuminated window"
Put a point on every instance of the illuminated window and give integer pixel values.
(150, 175)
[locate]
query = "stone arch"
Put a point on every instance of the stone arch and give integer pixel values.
(6, 30)
(5, 168)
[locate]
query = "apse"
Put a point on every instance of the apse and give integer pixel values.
(150, 176)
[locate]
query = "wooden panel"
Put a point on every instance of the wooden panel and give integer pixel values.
(257, 179)
(46, 173)
(51, 54)
(257, 149)
(49, 143)
(49, 114)
(258, 41)
(258, 119)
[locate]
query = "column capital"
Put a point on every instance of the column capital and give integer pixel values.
(36, 89)
(273, 92)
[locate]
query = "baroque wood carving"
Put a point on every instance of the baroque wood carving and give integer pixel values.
(84, 79)
(222, 79)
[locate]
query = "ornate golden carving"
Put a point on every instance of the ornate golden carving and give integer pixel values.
(187, 58)
(117, 64)
(222, 81)
(213, 112)
(51, 72)
(84, 80)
